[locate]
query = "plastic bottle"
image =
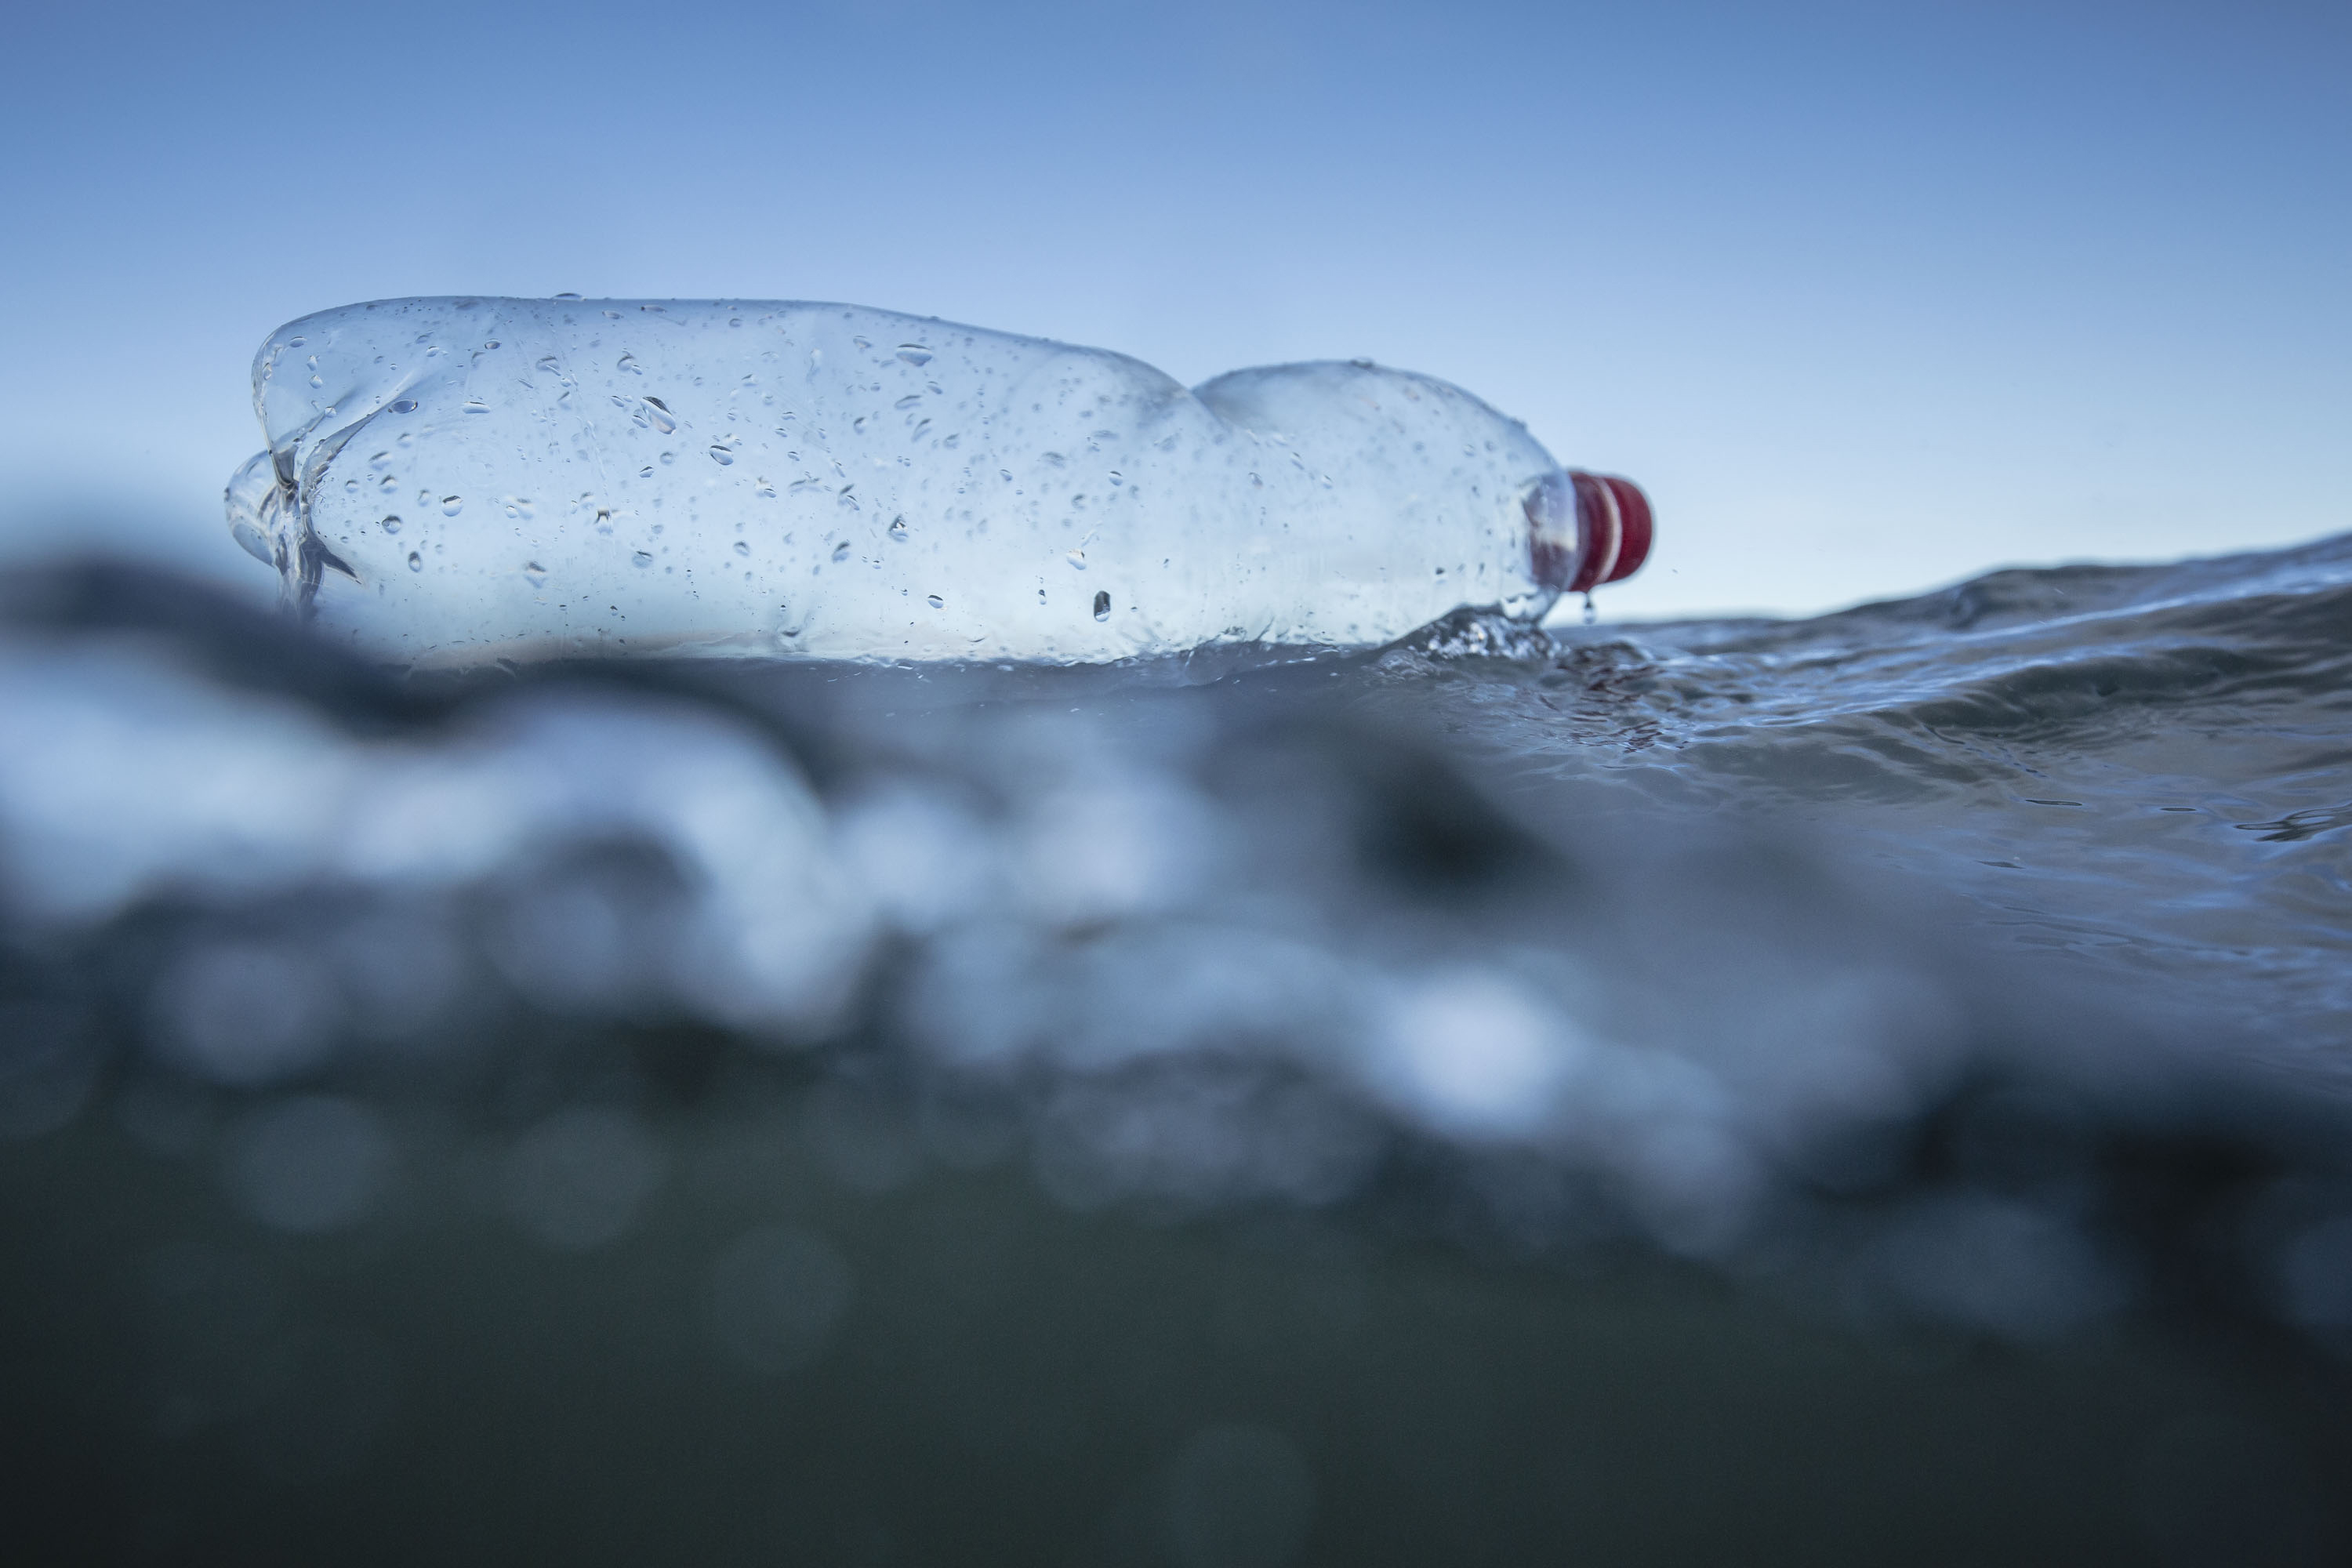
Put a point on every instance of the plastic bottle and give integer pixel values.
(451, 480)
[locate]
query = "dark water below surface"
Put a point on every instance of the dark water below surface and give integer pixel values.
(1850, 1091)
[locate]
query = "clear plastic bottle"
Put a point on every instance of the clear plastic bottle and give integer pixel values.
(451, 480)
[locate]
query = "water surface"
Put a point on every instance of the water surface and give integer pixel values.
(1861, 1087)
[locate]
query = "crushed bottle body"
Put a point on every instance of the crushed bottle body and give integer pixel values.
(454, 480)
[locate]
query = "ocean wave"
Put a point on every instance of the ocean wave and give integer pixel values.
(1281, 937)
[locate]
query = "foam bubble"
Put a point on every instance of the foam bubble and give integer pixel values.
(310, 1164)
(581, 1179)
(246, 1011)
(776, 1297)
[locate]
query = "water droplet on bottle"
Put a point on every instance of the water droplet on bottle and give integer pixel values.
(1077, 559)
(642, 558)
(535, 573)
(899, 530)
(475, 405)
(841, 550)
(567, 295)
(914, 354)
(937, 603)
(627, 364)
(657, 414)
(1590, 615)
(415, 562)
(549, 363)
(381, 461)
(388, 485)
(405, 405)
(722, 456)
(764, 488)
(452, 505)
(1102, 606)
(391, 525)
(741, 548)
(492, 344)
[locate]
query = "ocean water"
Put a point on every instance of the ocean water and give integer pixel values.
(1854, 1089)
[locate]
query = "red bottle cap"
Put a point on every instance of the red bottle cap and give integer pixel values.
(1614, 530)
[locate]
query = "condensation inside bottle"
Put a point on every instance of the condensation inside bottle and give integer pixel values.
(452, 480)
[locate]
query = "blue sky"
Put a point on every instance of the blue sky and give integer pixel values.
(1870, 297)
